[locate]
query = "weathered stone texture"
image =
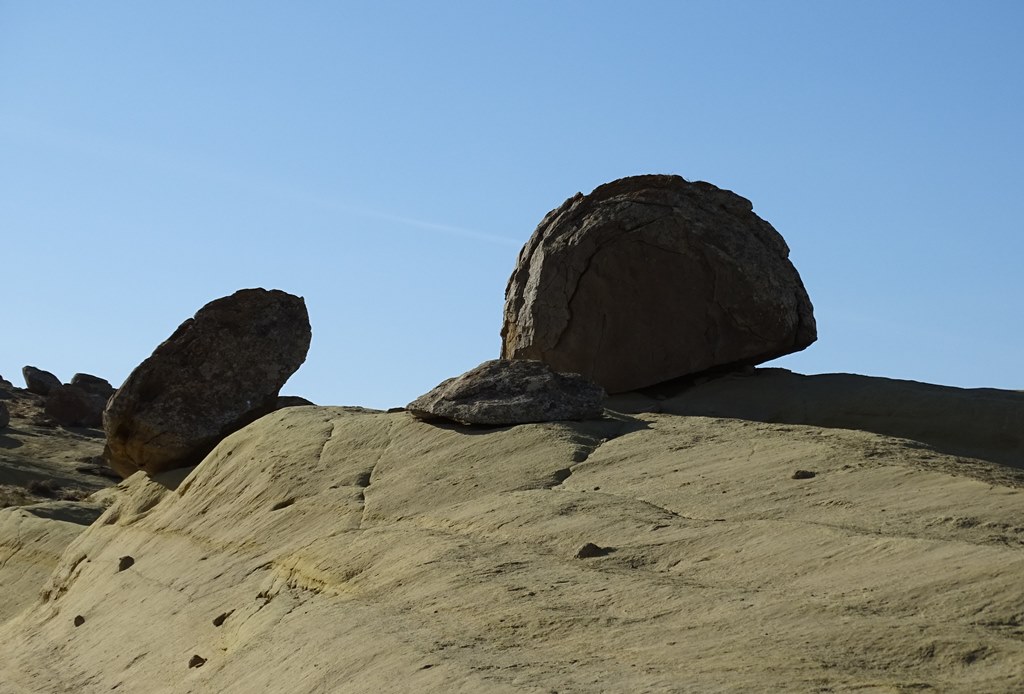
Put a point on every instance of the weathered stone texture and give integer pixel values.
(502, 392)
(39, 381)
(218, 372)
(73, 406)
(93, 384)
(651, 278)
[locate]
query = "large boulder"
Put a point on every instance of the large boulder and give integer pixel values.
(73, 406)
(651, 278)
(219, 371)
(39, 381)
(93, 385)
(501, 392)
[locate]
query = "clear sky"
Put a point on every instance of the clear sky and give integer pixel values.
(387, 160)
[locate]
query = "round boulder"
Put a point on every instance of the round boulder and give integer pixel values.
(219, 371)
(501, 392)
(651, 278)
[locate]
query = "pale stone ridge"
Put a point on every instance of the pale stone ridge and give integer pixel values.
(335, 550)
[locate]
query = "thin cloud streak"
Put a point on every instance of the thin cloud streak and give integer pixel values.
(408, 221)
(191, 166)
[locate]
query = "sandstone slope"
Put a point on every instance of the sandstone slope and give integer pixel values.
(46, 474)
(336, 550)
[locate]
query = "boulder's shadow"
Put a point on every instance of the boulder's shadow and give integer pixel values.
(611, 425)
(982, 423)
(8, 442)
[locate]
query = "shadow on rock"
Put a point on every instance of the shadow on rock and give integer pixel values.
(8, 442)
(982, 423)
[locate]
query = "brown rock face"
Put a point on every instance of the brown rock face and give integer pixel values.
(73, 406)
(219, 371)
(651, 278)
(39, 381)
(93, 384)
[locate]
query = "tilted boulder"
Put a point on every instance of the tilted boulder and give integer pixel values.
(38, 381)
(219, 371)
(651, 278)
(502, 392)
(73, 406)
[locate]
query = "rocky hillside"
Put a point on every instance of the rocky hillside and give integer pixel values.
(710, 527)
(342, 550)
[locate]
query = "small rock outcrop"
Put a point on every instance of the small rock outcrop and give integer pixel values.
(38, 381)
(501, 392)
(5, 415)
(93, 385)
(73, 406)
(219, 371)
(651, 278)
(284, 401)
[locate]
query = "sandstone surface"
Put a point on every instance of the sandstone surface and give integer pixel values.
(338, 550)
(500, 392)
(650, 278)
(219, 371)
(32, 539)
(46, 476)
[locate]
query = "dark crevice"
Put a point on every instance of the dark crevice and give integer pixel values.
(600, 432)
(366, 479)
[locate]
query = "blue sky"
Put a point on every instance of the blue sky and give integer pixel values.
(387, 160)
